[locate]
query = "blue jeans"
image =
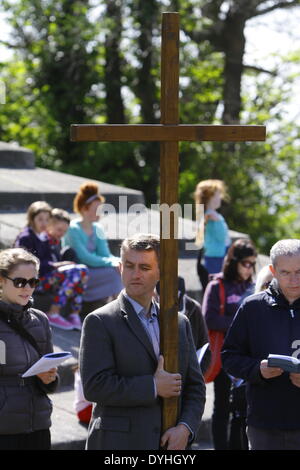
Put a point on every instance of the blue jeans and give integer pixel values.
(213, 264)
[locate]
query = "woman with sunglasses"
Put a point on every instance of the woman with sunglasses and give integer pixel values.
(25, 336)
(236, 277)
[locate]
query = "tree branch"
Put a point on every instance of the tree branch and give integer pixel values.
(259, 70)
(280, 4)
(213, 34)
(8, 44)
(197, 36)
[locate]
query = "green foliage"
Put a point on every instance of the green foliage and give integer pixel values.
(55, 42)
(23, 117)
(60, 75)
(262, 178)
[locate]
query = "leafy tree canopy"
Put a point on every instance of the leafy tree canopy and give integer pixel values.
(84, 61)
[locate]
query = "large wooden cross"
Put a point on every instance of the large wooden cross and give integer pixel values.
(169, 132)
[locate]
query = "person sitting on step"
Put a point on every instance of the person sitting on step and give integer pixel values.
(67, 281)
(86, 236)
(57, 227)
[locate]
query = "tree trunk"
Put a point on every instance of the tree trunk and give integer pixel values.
(115, 112)
(234, 48)
(146, 14)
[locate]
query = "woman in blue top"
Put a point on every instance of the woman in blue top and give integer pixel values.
(213, 233)
(87, 238)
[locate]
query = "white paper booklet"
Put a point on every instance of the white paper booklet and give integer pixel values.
(47, 362)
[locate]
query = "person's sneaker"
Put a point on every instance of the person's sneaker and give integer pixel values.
(58, 321)
(74, 319)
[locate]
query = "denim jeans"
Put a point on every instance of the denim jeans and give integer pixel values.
(213, 264)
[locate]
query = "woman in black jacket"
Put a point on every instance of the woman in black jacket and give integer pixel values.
(236, 279)
(25, 336)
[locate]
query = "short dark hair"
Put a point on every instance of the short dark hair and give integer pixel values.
(239, 250)
(142, 242)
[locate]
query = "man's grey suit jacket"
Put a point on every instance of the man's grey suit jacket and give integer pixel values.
(117, 365)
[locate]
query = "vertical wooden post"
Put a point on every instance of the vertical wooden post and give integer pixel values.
(169, 164)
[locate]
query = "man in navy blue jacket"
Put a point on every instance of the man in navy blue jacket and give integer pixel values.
(269, 323)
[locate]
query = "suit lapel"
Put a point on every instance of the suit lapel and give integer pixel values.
(135, 325)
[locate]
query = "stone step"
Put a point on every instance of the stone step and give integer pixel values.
(116, 226)
(20, 187)
(14, 156)
(12, 223)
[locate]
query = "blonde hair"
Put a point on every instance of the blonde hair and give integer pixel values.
(35, 208)
(88, 192)
(204, 191)
(264, 276)
(60, 215)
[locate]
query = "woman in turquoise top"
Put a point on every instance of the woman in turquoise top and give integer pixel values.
(213, 233)
(86, 236)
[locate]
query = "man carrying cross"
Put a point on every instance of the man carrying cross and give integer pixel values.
(122, 370)
(169, 133)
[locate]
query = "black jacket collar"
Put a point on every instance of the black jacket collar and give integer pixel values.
(276, 297)
(15, 310)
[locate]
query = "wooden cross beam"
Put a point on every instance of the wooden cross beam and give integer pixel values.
(169, 132)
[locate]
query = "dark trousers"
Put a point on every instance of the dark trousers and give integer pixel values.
(273, 439)
(38, 440)
(220, 417)
(237, 435)
(202, 272)
(237, 429)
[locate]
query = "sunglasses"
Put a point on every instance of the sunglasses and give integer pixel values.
(21, 282)
(248, 264)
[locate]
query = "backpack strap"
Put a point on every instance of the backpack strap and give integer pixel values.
(222, 297)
